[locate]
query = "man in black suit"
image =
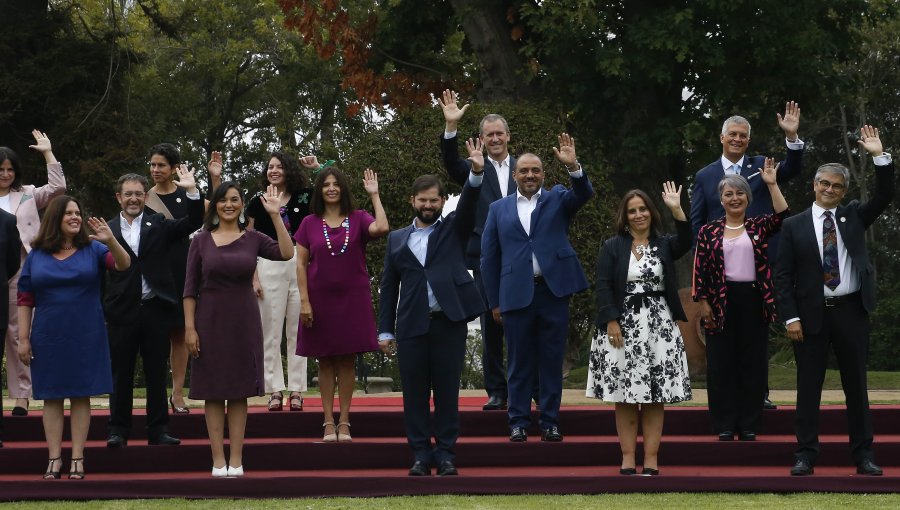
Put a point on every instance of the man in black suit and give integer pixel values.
(826, 290)
(10, 258)
(498, 183)
(425, 272)
(706, 204)
(139, 303)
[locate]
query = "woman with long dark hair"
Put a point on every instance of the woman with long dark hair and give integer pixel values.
(62, 333)
(223, 332)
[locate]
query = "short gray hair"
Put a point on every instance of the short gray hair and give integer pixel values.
(834, 168)
(140, 179)
(738, 182)
(492, 117)
(735, 119)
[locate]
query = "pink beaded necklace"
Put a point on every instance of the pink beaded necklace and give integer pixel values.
(346, 225)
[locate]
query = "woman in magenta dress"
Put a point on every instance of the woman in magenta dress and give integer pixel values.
(336, 317)
(223, 331)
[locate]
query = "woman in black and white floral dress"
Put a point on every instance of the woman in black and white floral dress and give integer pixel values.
(637, 356)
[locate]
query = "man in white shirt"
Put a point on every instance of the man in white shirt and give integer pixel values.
(826, 289)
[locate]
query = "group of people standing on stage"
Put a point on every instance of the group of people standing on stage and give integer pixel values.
(220, 281)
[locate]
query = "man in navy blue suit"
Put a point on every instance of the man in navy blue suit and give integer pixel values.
(706, 205)
(530, 270)
(427, 298)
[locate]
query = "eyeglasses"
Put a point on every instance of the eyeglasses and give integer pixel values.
(835, 186)
(135, 194)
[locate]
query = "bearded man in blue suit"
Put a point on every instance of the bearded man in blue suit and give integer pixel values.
(530, 270)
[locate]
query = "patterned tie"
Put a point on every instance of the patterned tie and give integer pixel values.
(830, 264)
(736, 169)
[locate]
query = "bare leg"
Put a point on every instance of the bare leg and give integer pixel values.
(346, 378)
(53, 426)
(652, 426)
(178, 358)
(214, 410)
(626, 427)
(237, 425)
(326, 387)
(81, 423)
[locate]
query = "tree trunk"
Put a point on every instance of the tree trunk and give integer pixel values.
(487, 29)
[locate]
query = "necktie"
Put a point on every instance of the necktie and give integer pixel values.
(736, 169)
(830, 264)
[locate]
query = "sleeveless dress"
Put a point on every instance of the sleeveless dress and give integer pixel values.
(339, 289)
(68, 332)
(651, 367)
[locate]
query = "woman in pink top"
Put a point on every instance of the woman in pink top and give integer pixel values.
(24, 201)
(733, 284)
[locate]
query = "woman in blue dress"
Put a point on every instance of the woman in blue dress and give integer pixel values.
(66, 344)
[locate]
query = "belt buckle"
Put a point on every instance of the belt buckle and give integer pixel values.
(830, 302)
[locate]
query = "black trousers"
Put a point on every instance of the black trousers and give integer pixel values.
(432, 362)
(736, 362)
(149, 337)
(846, 327)
(492, 351)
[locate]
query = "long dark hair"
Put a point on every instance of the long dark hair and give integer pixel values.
(8, 154)
(295, 176)
(317, 204)
(622, 213)
(50, 237)
(212, 212)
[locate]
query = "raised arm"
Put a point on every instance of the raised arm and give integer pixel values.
(581, 190)
(681, 242)
(770, 177)
(56, 180)
(380, 227)
(103, 234)
(870, 141)
(456, 167)
(214, 167)
(270, 202)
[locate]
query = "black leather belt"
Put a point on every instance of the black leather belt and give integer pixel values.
(839, 300)
(437, 315)
(539, 280)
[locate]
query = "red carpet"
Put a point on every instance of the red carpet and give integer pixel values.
(286, 447)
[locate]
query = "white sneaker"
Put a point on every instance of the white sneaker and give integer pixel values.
(235, 472)
(221, 472)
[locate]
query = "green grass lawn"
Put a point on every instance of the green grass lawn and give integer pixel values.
(693, 501)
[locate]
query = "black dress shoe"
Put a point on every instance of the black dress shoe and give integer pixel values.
(164, 439)
(650, 471)
(802, 468)
(518, 435)
(551, 434)
(447, 469)
(420, 469)
(627, 471)
(747, 435)
(726, 436)
(867, 467)
(768, 404)
(19, 411)
(116, 441)
(495, 403)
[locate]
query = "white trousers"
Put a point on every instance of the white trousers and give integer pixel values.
(279, 310)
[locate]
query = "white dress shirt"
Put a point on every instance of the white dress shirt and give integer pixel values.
(501, 167)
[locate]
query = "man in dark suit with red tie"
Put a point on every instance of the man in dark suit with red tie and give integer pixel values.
(427, 299)
(826, 290)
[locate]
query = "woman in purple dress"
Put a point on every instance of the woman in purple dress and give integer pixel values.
(62, 334)
(223, 331)
(331, 273)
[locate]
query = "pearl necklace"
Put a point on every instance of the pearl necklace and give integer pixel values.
(729, 227)
(346, 225)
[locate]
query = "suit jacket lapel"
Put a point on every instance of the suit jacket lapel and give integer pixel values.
(535, 215)
(491, 179)
(809, 231)
(512, 208)
(15, 200)
(116, 227)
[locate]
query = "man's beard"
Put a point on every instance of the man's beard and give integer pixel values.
(426, 220)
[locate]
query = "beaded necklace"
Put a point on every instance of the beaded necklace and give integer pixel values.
(346, 225)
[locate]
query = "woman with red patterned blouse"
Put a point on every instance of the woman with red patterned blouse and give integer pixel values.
(733, 284)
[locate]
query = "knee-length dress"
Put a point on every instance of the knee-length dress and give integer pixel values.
(230, 364)
(68, 332)
(339, 290)
(651, 367)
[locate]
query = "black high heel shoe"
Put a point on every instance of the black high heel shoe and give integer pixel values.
(178, 410)
(50, 474)
(74, 472)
